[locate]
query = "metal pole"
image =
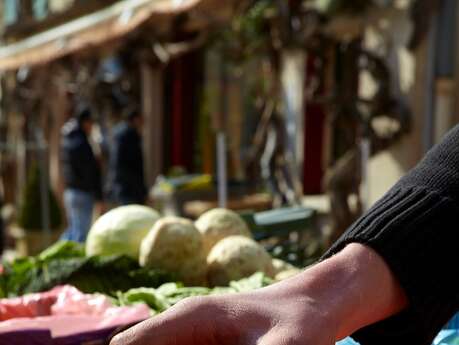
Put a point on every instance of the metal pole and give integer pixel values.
(221, 170)
(221, 139)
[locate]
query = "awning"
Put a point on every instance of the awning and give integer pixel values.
(101, 27)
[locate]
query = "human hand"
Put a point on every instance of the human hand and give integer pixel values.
(257, 318)
(320, 306)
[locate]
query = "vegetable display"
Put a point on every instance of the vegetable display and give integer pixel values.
(283, 270)
(65, 263)
(236, 257)
(174, 245)
(131, 251)
(120, 231)
(137, 263)
(218, 224)
(167, 295)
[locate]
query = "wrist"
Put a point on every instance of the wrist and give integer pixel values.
(372, 292)
(351, 290)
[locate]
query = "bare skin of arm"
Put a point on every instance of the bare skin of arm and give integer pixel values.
(322, 305)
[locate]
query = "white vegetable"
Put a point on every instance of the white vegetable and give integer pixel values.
(281, 265)
(175, 245)
(219, 223)
(236, 257)
(120, 231)
(284, 270)
(287, 274)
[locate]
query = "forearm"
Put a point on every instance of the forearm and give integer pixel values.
(354, 288)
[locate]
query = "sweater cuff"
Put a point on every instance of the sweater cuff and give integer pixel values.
(410, 228)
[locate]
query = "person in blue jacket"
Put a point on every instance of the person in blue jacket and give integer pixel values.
(126, 168)
(82, 177)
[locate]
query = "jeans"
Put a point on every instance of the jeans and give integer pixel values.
(79, 206)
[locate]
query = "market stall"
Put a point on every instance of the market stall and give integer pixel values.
(134, 264)
(137, 263)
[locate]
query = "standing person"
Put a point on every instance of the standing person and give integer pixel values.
(126, 175)
(81, 175)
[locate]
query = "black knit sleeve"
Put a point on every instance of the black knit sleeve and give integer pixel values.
(414, 228)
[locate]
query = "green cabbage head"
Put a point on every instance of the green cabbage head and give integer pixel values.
(121, 231)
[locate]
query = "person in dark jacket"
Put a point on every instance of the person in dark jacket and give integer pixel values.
(126, 174)
(81, 175)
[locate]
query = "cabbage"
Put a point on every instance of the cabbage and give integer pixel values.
(120, 231)
(237, 257)
(175, 245)
(219, 223)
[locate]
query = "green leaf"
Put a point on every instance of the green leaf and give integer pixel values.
(149, 296)
(62, 250)
(256, 281)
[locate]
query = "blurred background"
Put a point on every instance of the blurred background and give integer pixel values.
(310, 109)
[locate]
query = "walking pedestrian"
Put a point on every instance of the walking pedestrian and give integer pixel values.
(126, 174)
(82, 175)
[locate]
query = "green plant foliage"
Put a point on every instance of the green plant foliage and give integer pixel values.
(30, 212)
(248, 33)
(168, 294)
(65, 263)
